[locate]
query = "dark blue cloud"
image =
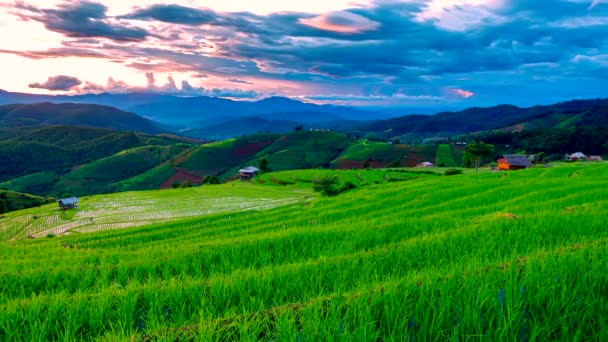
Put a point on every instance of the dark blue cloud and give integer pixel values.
(174, 14)
(58, 83)
(84, 19)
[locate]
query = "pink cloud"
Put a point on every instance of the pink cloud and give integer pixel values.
(341, 22)
(461, 92)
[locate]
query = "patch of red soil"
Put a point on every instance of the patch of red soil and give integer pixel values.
(250, 149)
(181, 176)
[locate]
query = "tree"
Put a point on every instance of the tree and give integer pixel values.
(325, 185)
(186, 184)
(263, 165)
(477, 151)
(2, 206)
(298, 128)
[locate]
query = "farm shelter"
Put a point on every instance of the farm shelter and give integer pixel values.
(513, 162)
(68, 203)
(577, 156)
(248, 173)
(426, 164)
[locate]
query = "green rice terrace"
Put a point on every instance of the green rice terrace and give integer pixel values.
(404, 256)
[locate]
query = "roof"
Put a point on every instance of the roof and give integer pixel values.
(579, 155)
(250, 169)
(517, 160)
(68, 201)
(426, 164)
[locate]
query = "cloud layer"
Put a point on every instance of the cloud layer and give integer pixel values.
(476, 52)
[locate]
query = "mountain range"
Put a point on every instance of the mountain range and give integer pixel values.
(197, 112)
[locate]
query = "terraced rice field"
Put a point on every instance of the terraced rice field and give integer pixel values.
(520, 256)
(133, 209)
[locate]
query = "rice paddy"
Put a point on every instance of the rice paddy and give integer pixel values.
(519, 256)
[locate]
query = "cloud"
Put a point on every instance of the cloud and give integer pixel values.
(341, 22)
(151, 80)
(58, 83)
(235, 80)
(174, 14)
(83, 19)
(595, 3)
(460, 92)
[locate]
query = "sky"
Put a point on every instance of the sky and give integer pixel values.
(373, 53)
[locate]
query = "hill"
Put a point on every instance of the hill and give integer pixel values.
(12, 201)
(74, 114)
(562, 115)
(506, 256)
(41, 155)
(101, 175)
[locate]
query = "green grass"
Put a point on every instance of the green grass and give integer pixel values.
(303, 178)
(511, 256)
(445, 156)
(149, 180)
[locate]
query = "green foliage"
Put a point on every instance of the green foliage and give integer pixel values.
(589, 140)
(477, 152)
(326, 185)
(211, 180)
(452, 172)
(186, 184)
(263, 165)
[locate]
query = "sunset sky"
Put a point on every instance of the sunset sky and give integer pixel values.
(381, 53)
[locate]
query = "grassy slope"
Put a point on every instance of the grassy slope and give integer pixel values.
(445, 156)
(100, 175)
(506, 256)
(382, 154)
(216, 158)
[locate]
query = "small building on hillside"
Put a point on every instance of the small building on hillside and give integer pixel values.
(426, 164)
(248, 173)
(513, 162)
(595, 158)
(577, 156)
(68, 203)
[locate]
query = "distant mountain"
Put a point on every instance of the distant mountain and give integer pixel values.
(562, 115)
(74, 114)
(240, 127)
(187, 111)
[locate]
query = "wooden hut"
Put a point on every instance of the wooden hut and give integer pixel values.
(248, 173)
(68, 203)
(513, 162)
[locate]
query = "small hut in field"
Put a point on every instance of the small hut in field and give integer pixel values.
(577, 156)
(68, 203)
(513, 162)
(248, 173)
